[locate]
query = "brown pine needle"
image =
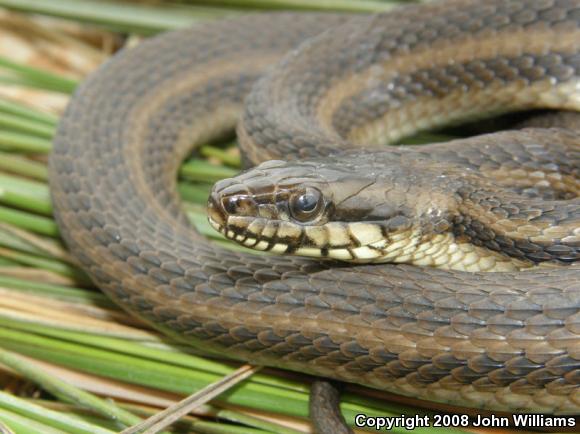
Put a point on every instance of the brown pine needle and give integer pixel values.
(171, 414)
(50, 312)
(105, 387)
(49, 247)
(37, 275)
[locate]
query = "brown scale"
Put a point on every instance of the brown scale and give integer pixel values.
(501, 341)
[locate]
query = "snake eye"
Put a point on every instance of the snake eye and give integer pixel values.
(307, 205)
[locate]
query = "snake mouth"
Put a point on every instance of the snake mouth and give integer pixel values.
(241, 235)
(221, 222)
(216, 225)
(215, 214)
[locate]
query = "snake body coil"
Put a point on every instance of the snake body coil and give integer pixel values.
(508, 341)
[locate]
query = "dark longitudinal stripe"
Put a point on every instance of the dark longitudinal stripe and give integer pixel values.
(375, 102)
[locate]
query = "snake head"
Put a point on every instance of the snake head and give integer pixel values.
(328, 209)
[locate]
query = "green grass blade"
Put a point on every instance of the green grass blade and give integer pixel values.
(199, 170)
(319, 5)
(17, 109)
(52, 420)
(13, 141)
(25, 187)
(42, 78)
(24, 220)
(25, 425)
(166, 377)
(120, 16)
(225, 157)
(27, 126)
(57, 292)
(19, 165)
(27, 203)
(53, 265)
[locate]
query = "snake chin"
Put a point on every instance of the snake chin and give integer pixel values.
(363, 243)
(359, 242)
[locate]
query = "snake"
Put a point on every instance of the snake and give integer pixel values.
(445, 272)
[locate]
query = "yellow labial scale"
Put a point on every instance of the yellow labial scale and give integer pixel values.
(256, 227)
(342, 254)
(279, 248)
(230, 234)
(309, 251)
(239, 222)
(290, 230)
(317, 234)
(269, 231)
(250, 242)
(240, 238)
(262, 245)
(337, 234)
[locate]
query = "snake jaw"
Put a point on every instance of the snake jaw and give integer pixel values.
(215, 224)
(215, 214)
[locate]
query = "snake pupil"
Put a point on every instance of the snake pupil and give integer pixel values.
(306, 205)
(307, 202)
